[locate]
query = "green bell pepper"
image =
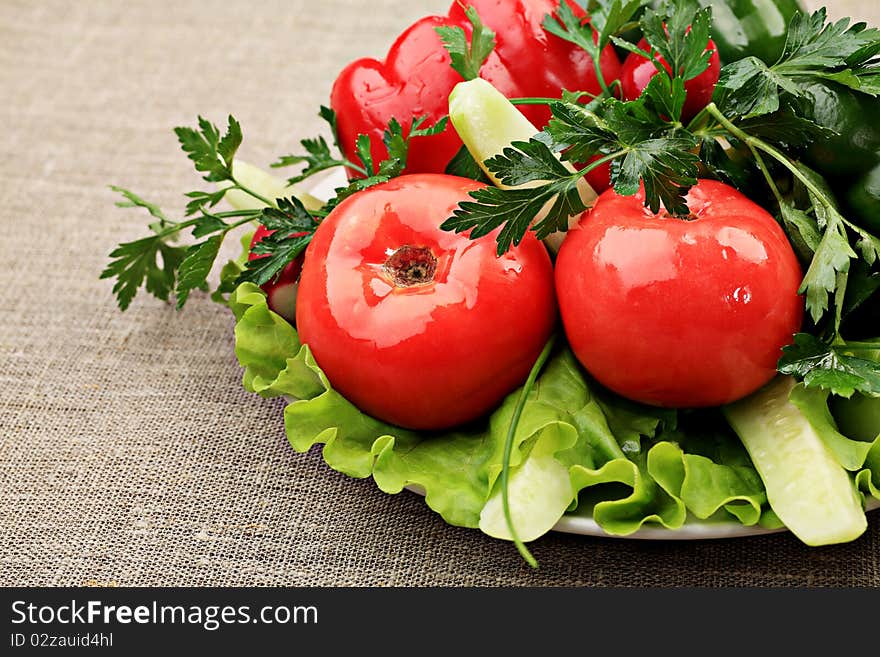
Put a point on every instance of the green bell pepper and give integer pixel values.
(863, 200)
(751, 27)
(855, 148)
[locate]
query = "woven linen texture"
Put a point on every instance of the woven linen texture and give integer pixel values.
(129, 453)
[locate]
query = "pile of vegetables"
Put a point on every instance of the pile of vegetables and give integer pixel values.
(695, 338)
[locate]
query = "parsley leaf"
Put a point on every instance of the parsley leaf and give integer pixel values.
(201, 200)
(392, 166)
(867, 80)
(832, 258)
(398, 145)
(568, 26)
(525, 162)
(612, 18)
(135, 201)
(815, 49)
(667, 95)
(647, 148)
(607, 19)
(330, 117)
(211, 153)
(786, 127)
(468, 58)
(363, 148)
(833, 367)
(815, 44)
(153, 262)
(666, 167)
(832, 255)
(293, 228)
(802, 229)
(515, 210)
(150, 259)
(749, 88)
(196, 266)
(317, 158)
(680, 36)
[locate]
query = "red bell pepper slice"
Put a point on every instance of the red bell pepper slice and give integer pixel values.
(416, 78)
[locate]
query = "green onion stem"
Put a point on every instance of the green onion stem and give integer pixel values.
(542, 101)
(251, 192)
(508, 449)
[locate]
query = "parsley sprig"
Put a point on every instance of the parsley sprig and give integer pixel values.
(156, 262)
(468, 54)
(165, 268)
(815, 50)
(293, 227)
(840, 256)
(643, 139)
(751, 136)
(368, 169)
(607, 20)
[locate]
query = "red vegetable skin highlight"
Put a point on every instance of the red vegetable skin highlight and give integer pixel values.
(679, 313)
(417, 326)
(416, 78)
(637, 71)
(281, 292)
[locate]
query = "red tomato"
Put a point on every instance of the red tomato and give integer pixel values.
(679, 313)
(637, 71)
(280, 292)
(417, 326)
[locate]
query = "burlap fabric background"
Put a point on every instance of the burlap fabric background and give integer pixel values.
(129, 453)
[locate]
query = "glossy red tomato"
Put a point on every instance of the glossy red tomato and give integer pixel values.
(282, 291)
(679, 313)
(637, 71)
(417, 326)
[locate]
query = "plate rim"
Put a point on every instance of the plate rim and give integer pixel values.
(692, 530)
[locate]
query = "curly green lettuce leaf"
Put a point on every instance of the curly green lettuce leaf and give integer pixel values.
(263, 340)
(679, 473)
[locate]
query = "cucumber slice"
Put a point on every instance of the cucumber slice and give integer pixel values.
(264, 184)
(807, 488)
(487, 123)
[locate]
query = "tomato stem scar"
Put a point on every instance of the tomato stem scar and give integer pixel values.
(411, 265)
